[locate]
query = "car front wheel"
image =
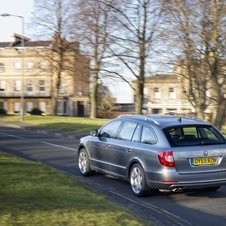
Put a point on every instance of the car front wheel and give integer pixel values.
(84, 163)
(138, 181)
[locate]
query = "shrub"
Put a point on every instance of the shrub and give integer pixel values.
(2, 111)
(36, 111)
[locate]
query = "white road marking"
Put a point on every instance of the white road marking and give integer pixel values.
(9, 135)
(59, 146)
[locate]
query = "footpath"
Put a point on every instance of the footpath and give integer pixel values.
(44, 130)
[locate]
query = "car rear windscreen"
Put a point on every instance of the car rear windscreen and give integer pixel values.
(193, 135)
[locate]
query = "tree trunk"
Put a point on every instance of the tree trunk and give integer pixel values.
(139, 97)
(93, 97)
(199, 112)
(219, 120)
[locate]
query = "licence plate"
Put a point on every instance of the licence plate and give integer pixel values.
(205, 161)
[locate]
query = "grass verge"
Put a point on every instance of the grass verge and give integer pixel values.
(79, 124)
(37, 195)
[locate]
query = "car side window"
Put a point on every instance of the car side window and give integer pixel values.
(110, 130)
(148, 136)
(127, 131)
(136, 135)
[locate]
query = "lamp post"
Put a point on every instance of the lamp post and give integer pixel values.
(22, 64)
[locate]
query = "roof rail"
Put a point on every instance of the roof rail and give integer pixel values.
(145, 117)
(185, 116)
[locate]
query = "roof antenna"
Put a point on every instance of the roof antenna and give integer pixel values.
(179, 119)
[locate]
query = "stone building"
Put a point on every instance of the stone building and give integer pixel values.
(163, 93)
(27, 78)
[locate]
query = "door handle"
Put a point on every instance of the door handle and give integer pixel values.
(128, 150)
(108, 146)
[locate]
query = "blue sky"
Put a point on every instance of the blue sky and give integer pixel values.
(10, 25)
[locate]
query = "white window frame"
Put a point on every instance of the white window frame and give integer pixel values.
(62, 88)
(16, 107)
(2, 86)
(41, 84)
(2, 67)
(42, 106)
(30, 66)
(17, 66)
(62, 107)
(29, 86)
(157, 94)
(17, 85)
(172, 93)
(29, 106)
(42, 65)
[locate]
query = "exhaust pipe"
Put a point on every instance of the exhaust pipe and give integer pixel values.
(177, 190)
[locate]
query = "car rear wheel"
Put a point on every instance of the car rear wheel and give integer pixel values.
(84, 163)
(138, 181)
(211, 188)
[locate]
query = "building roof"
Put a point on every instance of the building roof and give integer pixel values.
(162, 78)
(26, 44)
(17, 39)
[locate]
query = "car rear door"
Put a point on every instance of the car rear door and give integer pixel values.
(123, 148)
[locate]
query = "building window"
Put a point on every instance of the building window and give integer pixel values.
(30, 66)
(62, 107)
(42, 66)
(41, 85)
(17, 66)
(16, 107)
(2, 85)
(2, 67)
(42, 106)
(172, 94)
(61, 88)
(157, 94)
(155, 111)
(29, 106)
(17, 86)
(1, 105)
(29, 85)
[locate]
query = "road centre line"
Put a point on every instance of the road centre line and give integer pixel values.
(59, 146)
(9, 135)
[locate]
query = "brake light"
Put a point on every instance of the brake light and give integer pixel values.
(166, 158)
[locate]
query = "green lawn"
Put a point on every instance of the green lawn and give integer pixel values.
(79, 124)
(32, 194)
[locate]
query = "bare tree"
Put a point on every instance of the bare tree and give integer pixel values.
(198, 33)
(135, 30)
(90, 27)
(50, 22)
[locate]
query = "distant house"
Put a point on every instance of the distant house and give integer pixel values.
(163, 93)
(26, 73)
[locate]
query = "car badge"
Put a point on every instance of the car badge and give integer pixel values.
(205, 153)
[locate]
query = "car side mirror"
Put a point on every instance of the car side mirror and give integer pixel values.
(94, 133)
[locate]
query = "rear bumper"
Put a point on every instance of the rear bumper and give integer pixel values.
(192, 181)
(197, 185)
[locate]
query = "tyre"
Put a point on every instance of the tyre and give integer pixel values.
(211, 188)
(138, 181)
(84, 163)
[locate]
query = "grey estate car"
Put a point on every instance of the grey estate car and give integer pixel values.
(169, 152)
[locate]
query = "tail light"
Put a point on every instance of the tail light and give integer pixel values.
(166, 158)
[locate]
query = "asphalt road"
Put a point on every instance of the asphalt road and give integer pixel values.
(162, 209)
